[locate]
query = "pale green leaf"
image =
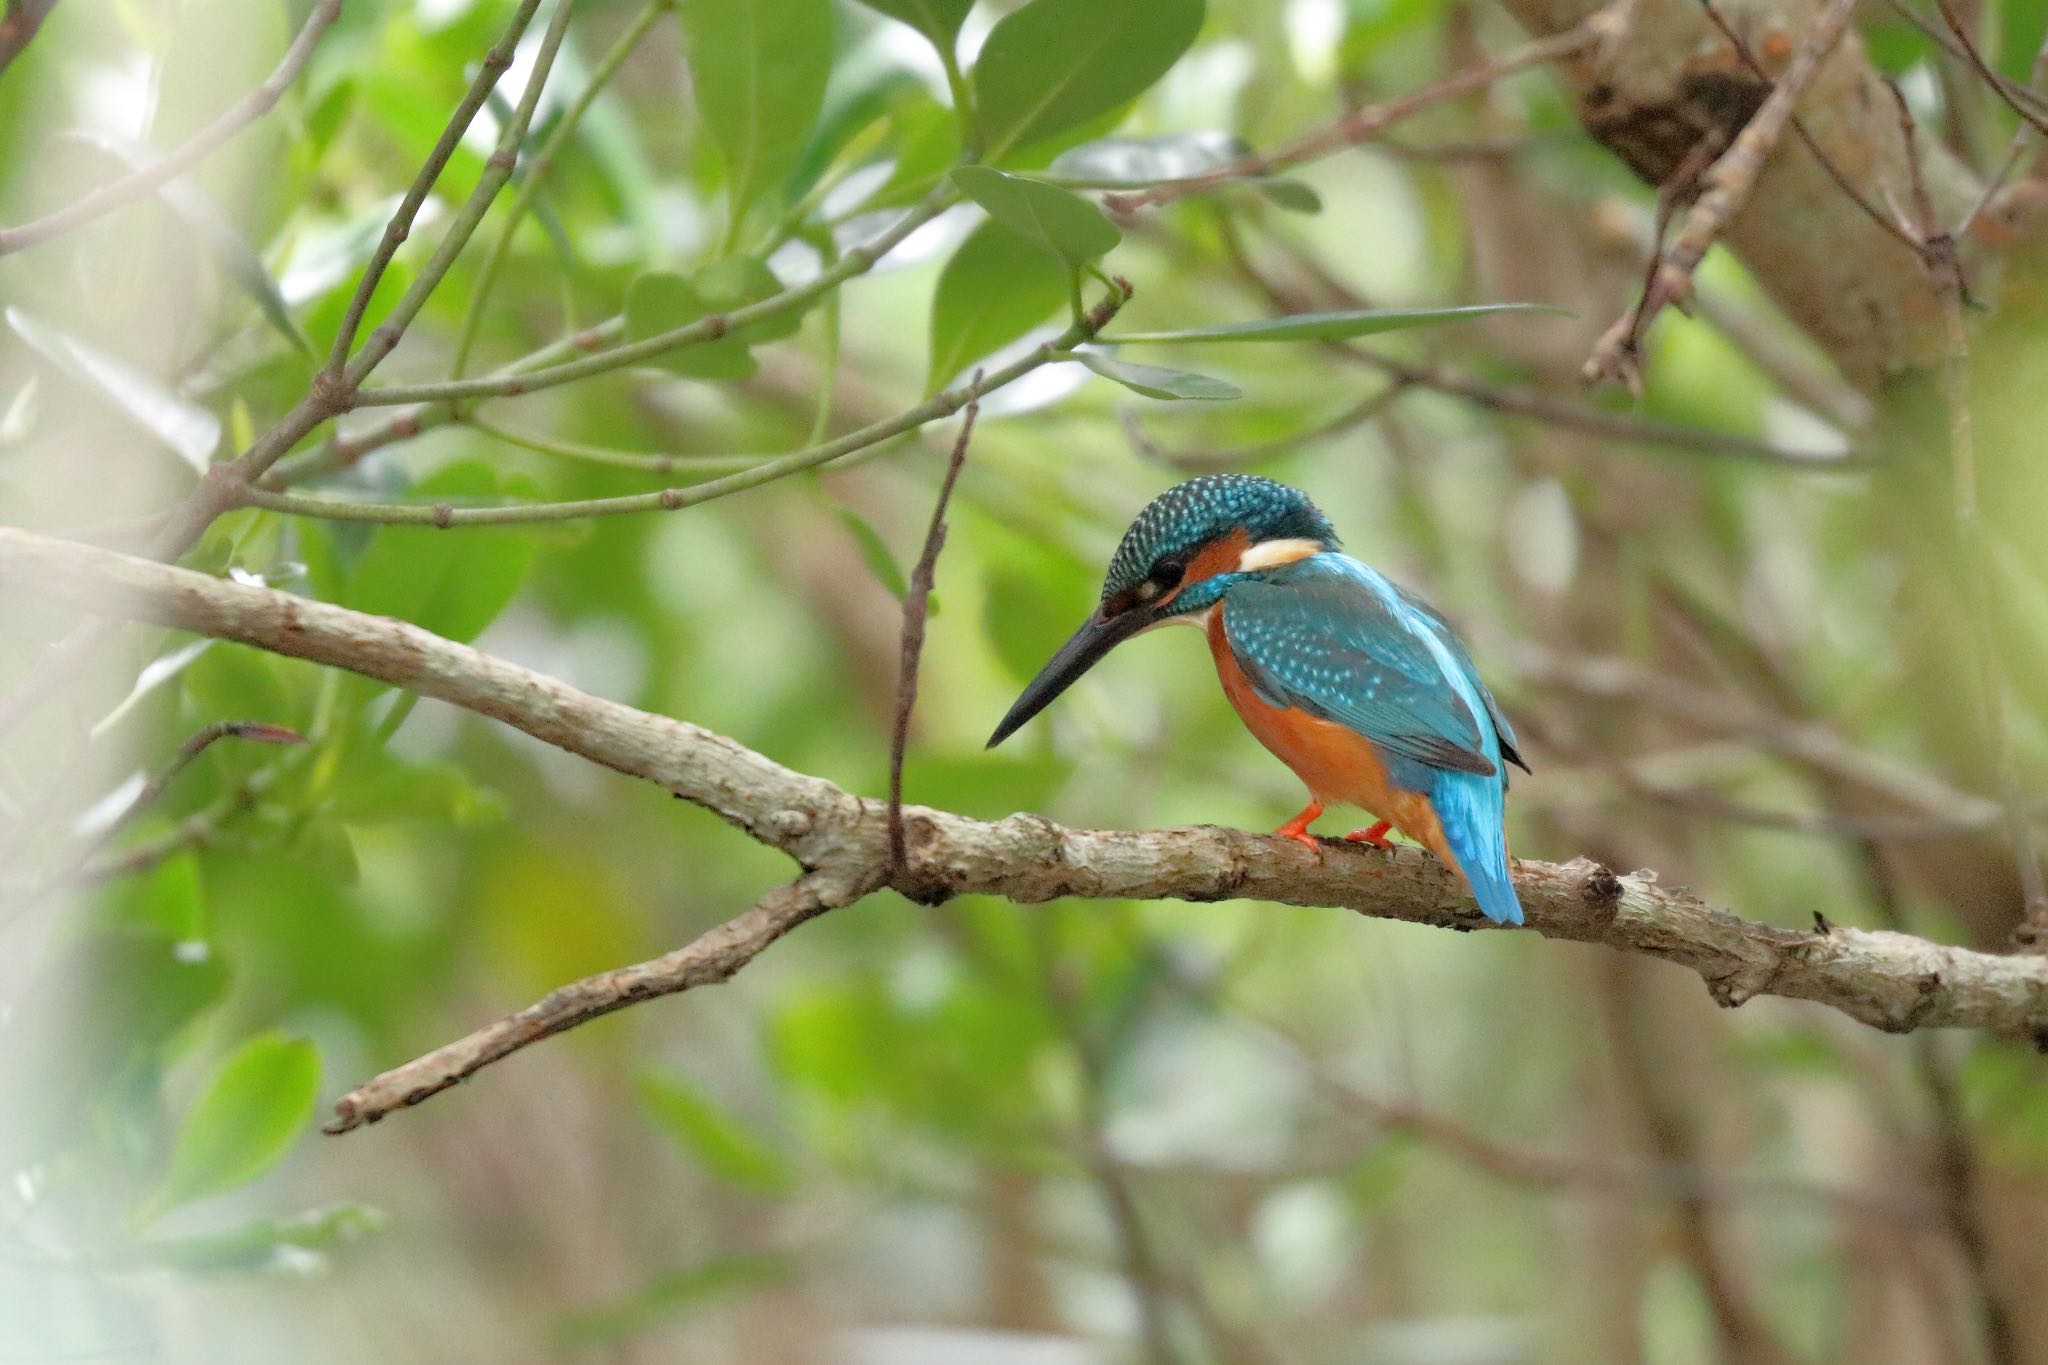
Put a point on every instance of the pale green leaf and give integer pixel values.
(188, 429)
(758, 68)
(875, 551)
(244, 1122)
(1054, 64)
(661, 301)
(723, 1145)
(1062, 222)
(1154, 382)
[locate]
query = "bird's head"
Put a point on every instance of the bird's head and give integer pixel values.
(1174, 564)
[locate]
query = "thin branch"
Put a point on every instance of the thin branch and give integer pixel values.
(1724, 190)
(916, 606)
(1363, 125)
(197, 148)
(617, 459)
(1236, 457)
(537, 174)
(497, 170)
(940, 405)
(1806, 137)
(496, 62)
(1889, 980)
(1984, 69)
(257, 732)
(520, 380)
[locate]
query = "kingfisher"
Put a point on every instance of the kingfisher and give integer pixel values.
(1355, 683)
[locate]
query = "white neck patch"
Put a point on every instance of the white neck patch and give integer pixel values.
(1271, 554)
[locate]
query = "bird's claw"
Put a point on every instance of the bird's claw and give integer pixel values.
(1376, 835)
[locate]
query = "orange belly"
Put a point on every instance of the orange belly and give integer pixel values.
(1339, 765)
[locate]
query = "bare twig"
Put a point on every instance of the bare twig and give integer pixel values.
(916, 604)
(1724, 189)
(255, 731)
(197, 148)
(1362, 125)
(1889, 980)
(1999, 85)
(1234, 457)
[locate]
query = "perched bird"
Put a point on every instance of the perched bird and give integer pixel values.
(1357, 685)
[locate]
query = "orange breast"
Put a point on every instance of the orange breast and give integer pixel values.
(1339, 765)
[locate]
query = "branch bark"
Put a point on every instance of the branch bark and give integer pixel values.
(1889, 980)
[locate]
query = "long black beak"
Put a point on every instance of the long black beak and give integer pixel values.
(1100, 635)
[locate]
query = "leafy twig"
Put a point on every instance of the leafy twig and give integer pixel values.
(916, 606)
(940, 405)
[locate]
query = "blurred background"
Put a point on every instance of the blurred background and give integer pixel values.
(1723, 613)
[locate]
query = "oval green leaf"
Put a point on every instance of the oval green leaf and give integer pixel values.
(244, 1122)
(758, 68)
(1055, 64)
(1335, 326)
(1155, 382)
(997, 286)
(661, 301)
(1059, 220)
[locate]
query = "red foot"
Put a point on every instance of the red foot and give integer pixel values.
(1376, 836)
(1297, 828)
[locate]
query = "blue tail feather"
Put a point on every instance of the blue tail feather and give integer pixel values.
(1471, 809)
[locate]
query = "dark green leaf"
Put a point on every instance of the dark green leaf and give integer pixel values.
(661, 301)
(758, 68)
(938, 20)
(875, 551)
(1336, 326)
(1062, 222)
(244, 1122)
(719, 1141)
(1154, 382)
(453, 585)
(1057, 63)
(1297, 196)
(996, 287)
(185, 427)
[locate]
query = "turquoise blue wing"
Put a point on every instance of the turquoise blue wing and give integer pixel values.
(1336, 640)
(1503, 731)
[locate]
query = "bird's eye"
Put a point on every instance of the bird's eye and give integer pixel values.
(1167, 573)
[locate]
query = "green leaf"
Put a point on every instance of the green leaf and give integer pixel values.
(185, 427)
(1296, 196)
(1154, 382)
(739, 281)
(1062, 222)
(938, 20)
(453, 585)
(244, 1122)
(1337, 326)
(875, 551)
(661, 301)
(758, 68)
(1057, 63)
(717, 1140)
(996, 287)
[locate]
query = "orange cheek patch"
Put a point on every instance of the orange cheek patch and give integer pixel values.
(1218, 556)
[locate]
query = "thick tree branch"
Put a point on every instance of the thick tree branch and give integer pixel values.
(1889, 980)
